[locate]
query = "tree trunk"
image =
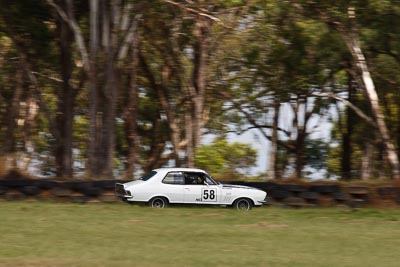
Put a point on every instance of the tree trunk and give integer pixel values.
(300, 137)
(366, 162)
(300, 154)
(65, 102)
(274, 143)
(346, 135)
(198, 90)
(189, 136)
(94, 121)
(131, 114)
(368, 85)
(110, 90)
(398, 135)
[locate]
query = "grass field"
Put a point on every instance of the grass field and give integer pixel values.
(49, 234)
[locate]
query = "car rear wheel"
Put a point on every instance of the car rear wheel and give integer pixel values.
(158, 202)
(243, 204)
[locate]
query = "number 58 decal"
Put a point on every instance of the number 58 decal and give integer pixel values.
(209, 195)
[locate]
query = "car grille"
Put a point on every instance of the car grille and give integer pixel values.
(120, 189)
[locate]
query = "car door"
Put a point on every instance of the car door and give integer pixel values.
(197, 191)
(172, 187)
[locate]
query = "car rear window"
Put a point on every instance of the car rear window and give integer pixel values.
(148, 176)
(174, 178)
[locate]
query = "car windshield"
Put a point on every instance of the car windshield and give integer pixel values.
(148, 176)
(210, 180)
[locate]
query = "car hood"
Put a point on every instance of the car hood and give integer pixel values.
(233, 186)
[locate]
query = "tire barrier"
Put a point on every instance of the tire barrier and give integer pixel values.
(388, 192)
(293, 188)
(325, 189)
(280, 194)
(312, 198)
(43, 184)
(30, 190)
(341, 197)
(3, 190)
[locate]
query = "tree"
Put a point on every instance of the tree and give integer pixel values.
(342, 19)
(228, 161)
(22, 23)
(278, 73)
(107, 49)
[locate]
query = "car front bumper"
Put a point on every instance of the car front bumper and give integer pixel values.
(262, 202)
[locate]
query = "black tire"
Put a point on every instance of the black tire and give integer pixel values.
(77, 186)
(243, 204)
(105, 184)
(294, 188)
(30, 190)
(3, 190)
(46, 184)
(158, 202)
(279, 194)
(61, 192)
(341, 197)
(93, 191)
(15, 183)
(325, 189)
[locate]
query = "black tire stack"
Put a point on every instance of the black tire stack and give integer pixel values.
(279, 194)
(359, 196)
(60, 191)
(388, 195)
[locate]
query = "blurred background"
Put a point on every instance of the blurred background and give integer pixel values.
(257, 89)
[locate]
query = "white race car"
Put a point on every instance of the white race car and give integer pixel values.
(166, 186)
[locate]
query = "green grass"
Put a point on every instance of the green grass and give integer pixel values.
(49, 234)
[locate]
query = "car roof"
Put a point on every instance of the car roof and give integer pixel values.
(179, 170)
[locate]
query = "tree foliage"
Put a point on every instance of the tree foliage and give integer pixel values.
(229, 161)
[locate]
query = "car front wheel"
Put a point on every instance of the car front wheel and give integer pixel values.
(158, 202)
(243, 204)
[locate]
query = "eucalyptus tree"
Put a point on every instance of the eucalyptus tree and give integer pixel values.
(112, 26)
(178, 58)
(379, 29)
(27, 96)
(342, 17)
(273, 77)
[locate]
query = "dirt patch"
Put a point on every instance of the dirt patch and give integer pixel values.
(209, 215)
(37, 262)
(139, 222)
(263, 225)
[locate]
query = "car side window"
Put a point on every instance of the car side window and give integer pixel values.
(174, 178)
(194, 178)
